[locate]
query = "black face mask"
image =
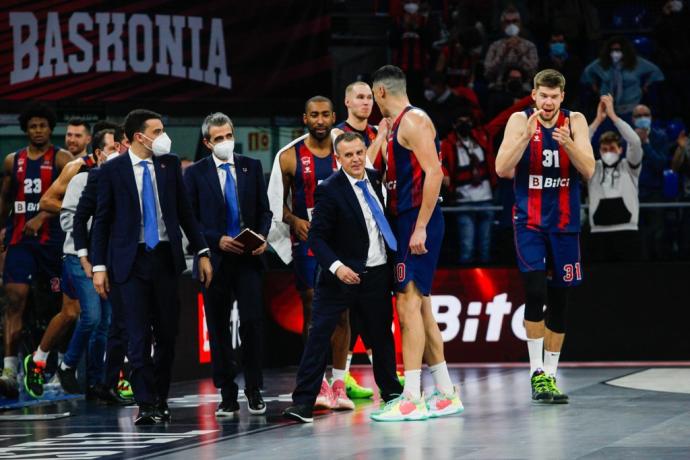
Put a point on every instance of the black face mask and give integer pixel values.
(514, 86)
(464, 129)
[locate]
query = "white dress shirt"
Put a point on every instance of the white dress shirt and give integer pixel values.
(221, 177)
(377, 245)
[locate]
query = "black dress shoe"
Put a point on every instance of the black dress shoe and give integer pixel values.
(148, 415)
(163, 411)
(68, 380)
(227, 408)
(255, 403)
(300, 412)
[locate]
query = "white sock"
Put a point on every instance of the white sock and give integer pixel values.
(536, 351)
(413, 383)
(338, 374)
(40, 355)
(64, 366)
(551, 362)
(347, 363)
(441, 378)
(11, 362)
(371, 358)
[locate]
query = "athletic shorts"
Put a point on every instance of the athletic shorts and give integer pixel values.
(558, 254)
(25, 261)
(411, 267)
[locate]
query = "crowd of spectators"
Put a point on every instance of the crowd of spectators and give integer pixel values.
(470, 65)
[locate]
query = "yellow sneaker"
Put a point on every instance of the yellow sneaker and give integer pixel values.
(439, 404)
(401, 409)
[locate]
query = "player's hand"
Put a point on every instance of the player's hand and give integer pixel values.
(346, 275)
(260, 250)
(32, 226)
(205, 271)
(418, 241)
(101, 284)
(562, 134)
(86, 266)
(532, 123)
(383, 128)
(300, 227)
(228, 244)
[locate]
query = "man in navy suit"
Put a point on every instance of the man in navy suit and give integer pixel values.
(142, 203)
(351, 240)
(228, 194)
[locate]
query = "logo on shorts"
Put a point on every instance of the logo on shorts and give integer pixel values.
(535, 182)
(55, 284)
(400, 272)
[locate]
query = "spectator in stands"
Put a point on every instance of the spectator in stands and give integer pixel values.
(558, 57)
(514, 86)
(441, 103)
(656, 159)
(409, 40)
(681, 164)
(619, 71)
(468, 165)
(511, 51)
(458, 62)
(672, 37)
(613, 190)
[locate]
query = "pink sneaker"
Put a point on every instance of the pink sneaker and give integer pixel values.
(342, 402)
(325, 398)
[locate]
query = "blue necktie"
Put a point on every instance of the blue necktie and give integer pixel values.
(148, 205)
(380, 219)
(231, 202)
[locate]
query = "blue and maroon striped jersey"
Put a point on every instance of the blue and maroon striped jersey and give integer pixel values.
(404, 174)
(310, 170)
(369, 134)
(547, 185)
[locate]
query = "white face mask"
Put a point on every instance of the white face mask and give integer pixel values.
(676, 6)
(429, 95)
(609, 158)
(411, 8)
(160, 145)
(512, 30)
(224, 149)
(616, 56)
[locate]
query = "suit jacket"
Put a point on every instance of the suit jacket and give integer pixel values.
(208, 202)
(338, 230)
(117, 222)
(85, 210)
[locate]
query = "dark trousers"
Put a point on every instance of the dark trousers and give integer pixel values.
(372, 301)
(236, 278)
(151, 311)
(116, 348)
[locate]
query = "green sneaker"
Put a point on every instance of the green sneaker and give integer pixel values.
(558, 397)
(125, 389)
(33, 377)
(354, 390)
(541, 392)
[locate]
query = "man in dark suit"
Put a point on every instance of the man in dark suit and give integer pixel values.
(228, 194)
(351, 240)
(142, 203)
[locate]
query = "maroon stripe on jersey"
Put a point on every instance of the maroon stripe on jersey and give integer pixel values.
(391, 176)
(535, 171)
(308, 174)
(417, 181)
(46, 180)
(19, 219)
(564, 190)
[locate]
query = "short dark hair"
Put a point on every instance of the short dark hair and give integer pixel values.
(80, 122)
(392, 78)
(348, 136)
(38, 110)
(317, 99)
(135, 121)
(610, 137)
(119, 134)
(98, 141)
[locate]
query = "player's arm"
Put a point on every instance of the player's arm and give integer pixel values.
(578, 147)
(5, 198)
(288, 168)
(51, 201)
(417, 133)
(518, 133)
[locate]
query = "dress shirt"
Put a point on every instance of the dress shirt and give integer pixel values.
(221, 177)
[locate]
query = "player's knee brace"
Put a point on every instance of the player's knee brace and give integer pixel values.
(556, 310)
(535, 290)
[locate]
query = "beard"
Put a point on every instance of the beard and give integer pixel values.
(317, 135)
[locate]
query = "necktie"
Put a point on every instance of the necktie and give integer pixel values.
(231, 202)
(380, 219)
(148, 204)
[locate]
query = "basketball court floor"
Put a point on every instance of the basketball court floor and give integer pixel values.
(632, 412)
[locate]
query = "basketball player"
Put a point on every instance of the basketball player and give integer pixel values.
(31, 235)
(303, 166)
(546, 151)
(78, 137)
(413, 180)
